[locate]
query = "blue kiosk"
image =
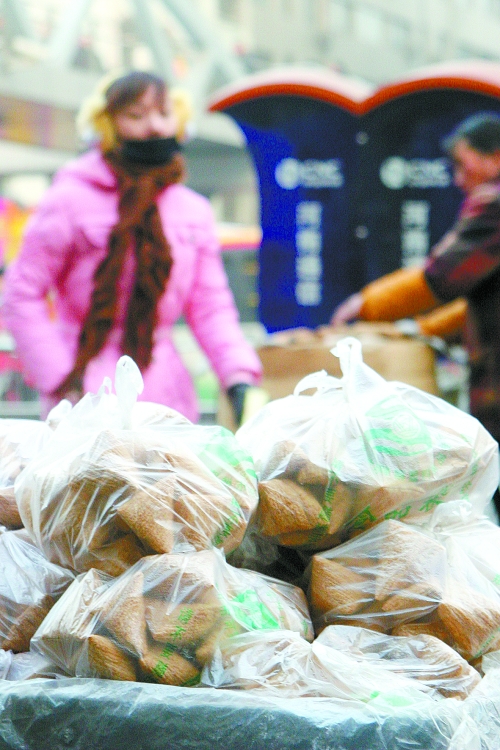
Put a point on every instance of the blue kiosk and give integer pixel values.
(353, 182)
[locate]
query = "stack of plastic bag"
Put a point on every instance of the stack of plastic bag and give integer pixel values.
(120, 480)
(164, 618)
(376, 487)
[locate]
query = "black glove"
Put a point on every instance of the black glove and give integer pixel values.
(236, 394)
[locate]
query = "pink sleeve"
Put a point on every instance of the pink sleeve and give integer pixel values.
(213, 317)
(42, 351)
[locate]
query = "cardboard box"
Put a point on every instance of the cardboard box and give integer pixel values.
(300, 352)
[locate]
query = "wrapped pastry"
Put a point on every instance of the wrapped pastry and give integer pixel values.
(284, 665)
(165, 618)
(361, 450)
(114, 485)
(389, 575)
(420, 657)
(20, 440)
(29, 586)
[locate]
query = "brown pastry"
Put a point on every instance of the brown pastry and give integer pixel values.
(180, 576)
(165, 665)
(337, 505)
(334, 588)
(406, 557)
(149, 514)
(206, 649)
(182, 625)
(108, 661)
(208, 518)
(114, 558)
(452, 676)
(419, 597)
(473, 621)
(285, 506)
(434, 628)
(124, 614)
(9, 512)
(281, 462)
(25, 625)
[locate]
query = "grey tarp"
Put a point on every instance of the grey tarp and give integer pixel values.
(84, 714)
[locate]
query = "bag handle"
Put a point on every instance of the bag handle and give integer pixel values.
(129, 384)
(319, 380)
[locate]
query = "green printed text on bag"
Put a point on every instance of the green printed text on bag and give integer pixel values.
(251, 612)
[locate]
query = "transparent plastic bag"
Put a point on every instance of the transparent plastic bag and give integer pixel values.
(162, 620)
(477, 535)
(20, 441)
(30, 666)
(420, 657)
(282, 664)
(121, 479)
(29, 586)
(406, 580)
(360, 450)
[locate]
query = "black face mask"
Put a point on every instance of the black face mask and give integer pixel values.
(153, 152)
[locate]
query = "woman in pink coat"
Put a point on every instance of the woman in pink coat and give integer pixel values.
(117, 252)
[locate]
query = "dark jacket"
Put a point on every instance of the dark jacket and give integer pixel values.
(466, 263)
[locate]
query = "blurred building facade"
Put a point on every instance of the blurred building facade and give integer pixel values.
(53, 51)
(377, 40)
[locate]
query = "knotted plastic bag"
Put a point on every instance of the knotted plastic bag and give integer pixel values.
(360, 450)
(20, 441)
(163, 619)
(121, 479)
(29, 587)
(406, 580)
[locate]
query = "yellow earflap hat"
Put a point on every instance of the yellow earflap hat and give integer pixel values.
(94, 118)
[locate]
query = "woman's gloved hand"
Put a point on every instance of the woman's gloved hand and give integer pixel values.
(236, 394)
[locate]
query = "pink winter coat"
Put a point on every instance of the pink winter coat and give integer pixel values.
(63, 245)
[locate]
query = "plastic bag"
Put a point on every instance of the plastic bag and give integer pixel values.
(5, 663)
(281, 663)
(20, 440)
(361, 450)
(121, 479)
(29, 666)
(477, 536)
(406, 580)
(420, 657)
(29, 586)
(163, 619)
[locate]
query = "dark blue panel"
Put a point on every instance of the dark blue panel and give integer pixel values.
(346, 199)
(304, 156)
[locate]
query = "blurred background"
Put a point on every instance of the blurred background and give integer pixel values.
(52, 52)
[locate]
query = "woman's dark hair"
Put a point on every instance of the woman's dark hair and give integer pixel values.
(128, 88)
(481, 132)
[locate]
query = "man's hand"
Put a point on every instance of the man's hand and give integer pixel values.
(348, 310)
